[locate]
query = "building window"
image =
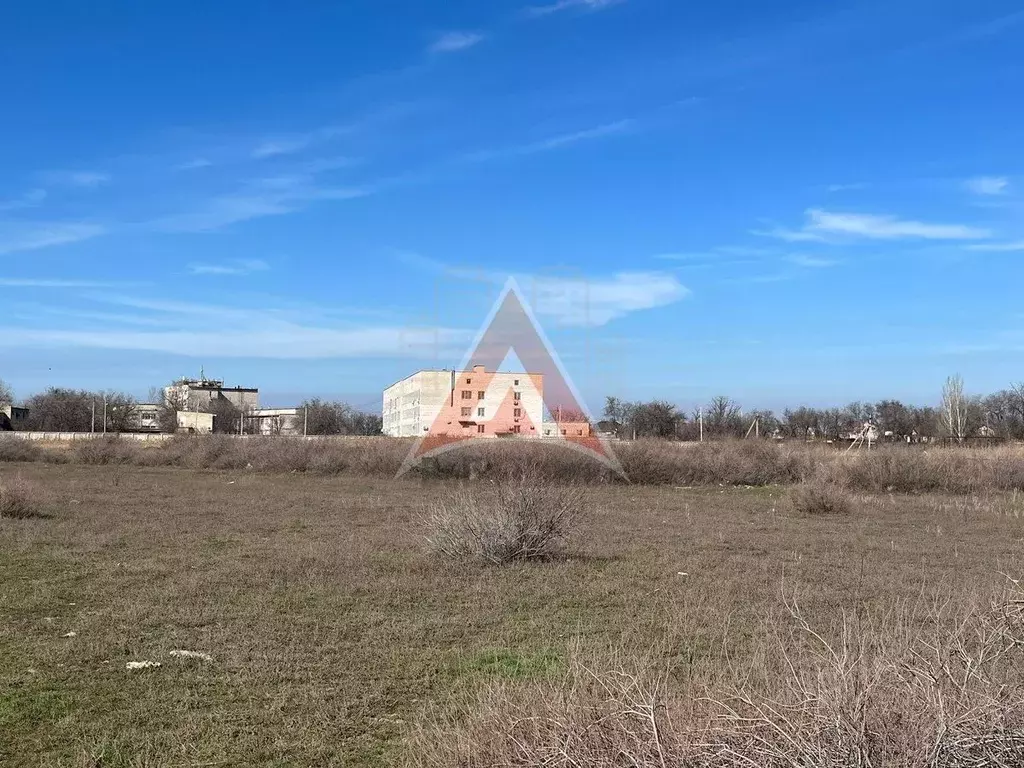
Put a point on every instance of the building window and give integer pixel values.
(516, 429)
(579, 431)
(467, 411)
(517, 412)
(563, 431)
(517, 396)
(469, 381)
(479, 411)
(480, 395)
(467, 395)
(480, 428)
(516, 383)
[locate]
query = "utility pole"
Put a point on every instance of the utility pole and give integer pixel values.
(700, 418)
(104, 413)
(305, 421)
(92, 424)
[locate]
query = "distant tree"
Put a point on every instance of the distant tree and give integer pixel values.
(723, 417)
(336, 418)
(767, 424)
(169, 403)
(226, 416)
(801, 422)
(63, 410)
(953, 413)
(657, 418)
(121, 410)
(893, 416)
(6, 393)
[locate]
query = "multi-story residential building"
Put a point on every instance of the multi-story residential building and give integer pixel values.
(474, 403)
(200, 394)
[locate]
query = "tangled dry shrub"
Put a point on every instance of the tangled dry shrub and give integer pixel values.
(947, 696)
(609, 711)
(18, 501)
(942, 689)
(14, 448)
(517, 519)
(106, 450)
(820, 497)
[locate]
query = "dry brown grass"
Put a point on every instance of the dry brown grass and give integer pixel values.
(819, 497)
(336, 637)
(887, 468)
(518, 519)
(18, 500)
(889, 691)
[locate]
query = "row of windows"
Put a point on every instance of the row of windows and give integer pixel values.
(469, 380)
(516, 412)
(467, 394)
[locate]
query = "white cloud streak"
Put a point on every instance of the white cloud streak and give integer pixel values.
(85, 179)
(182, 328)
(15, 237)
(450, 42)
(569, 5)
(30, 199)
(998, 247)
(233, 267)
(827, 226)
(560, 141)
(988, 185)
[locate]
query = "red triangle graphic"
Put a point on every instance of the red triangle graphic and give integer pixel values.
(512, 326)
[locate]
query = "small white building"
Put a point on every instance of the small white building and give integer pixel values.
(275, 421)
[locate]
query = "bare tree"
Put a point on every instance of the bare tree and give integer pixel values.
(954, 408)
(6, 393)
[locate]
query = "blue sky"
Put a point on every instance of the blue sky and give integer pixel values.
(790, 202)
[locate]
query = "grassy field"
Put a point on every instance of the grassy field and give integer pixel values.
(337, 639)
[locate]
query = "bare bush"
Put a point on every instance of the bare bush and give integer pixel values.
(517, 520)
(18, 449)
(18, 501)
(818, 497)
(939, 690)
(606, 712)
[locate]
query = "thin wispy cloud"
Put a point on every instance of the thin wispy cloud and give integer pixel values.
(31, 282)
(790, 235)
(269, 332)
(450, 42)
(575, 302)
(559, 141)
(811, 262)
(889, 227)
(998, 247)
(15, 237)
(30, 199)
(194, 165)
(570, 5)
(232, 267)
(295, 143)
(829, 226)
(855, 187)
(271, 196)
(988, 185)
(84, 179)
(599, 300)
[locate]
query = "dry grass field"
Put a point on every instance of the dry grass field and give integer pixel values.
(338, 638)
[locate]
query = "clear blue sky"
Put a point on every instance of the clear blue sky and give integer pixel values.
(791, 202)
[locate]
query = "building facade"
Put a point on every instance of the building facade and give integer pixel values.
(12, 417)
(465, 403)
(275, 421)
(202, 393)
